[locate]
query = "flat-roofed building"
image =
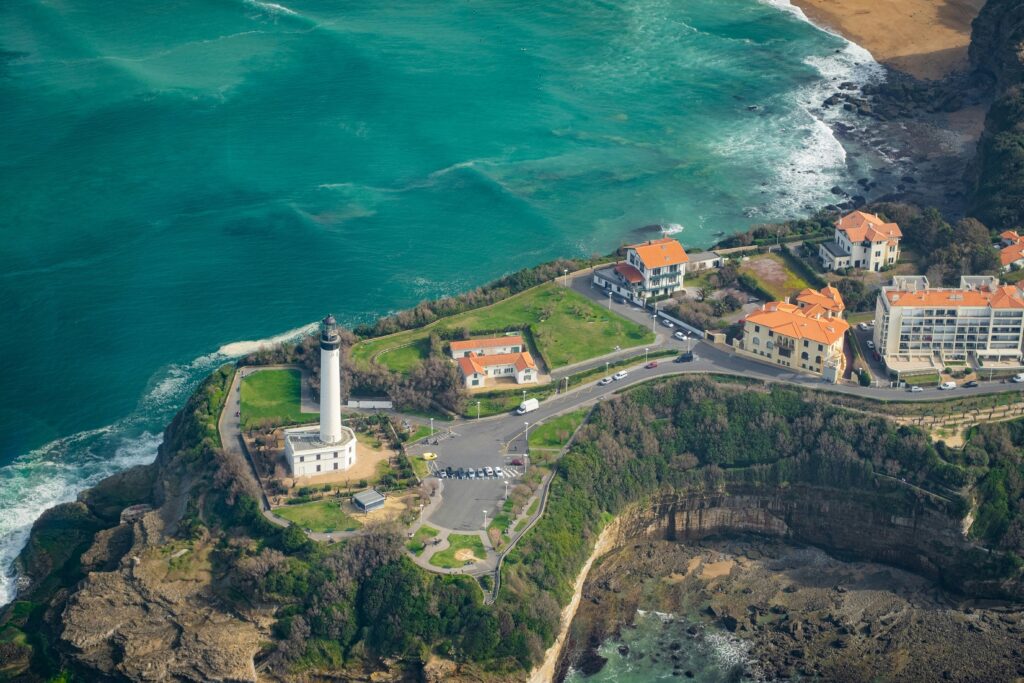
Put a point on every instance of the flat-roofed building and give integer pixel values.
(918, 326)
(782, 333)
(369, 500)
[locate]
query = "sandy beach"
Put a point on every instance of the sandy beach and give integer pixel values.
(925, 38)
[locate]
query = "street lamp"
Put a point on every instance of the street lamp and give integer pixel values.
(485, 519)
(478, 410)
(606, 367)
(506, 489)
(566, 272)
(524, 394)
(609, 299)
(645, 353)
(526, 447)
(654, 318)
(431, 426)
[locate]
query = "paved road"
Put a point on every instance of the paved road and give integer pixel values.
(499, 440)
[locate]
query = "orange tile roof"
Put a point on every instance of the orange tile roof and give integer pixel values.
(860, 226)
(1005, 296)
(474, 363)
(1012, 253)
(828, 298)
(660, 253)
(789, 321)
(629, 273)
(487, 343)
(1010, 235)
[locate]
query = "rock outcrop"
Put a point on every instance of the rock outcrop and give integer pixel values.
(848, 524)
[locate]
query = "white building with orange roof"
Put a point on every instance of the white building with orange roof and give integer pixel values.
(476, 370)
(785, 334)
(918, 326)
(484, 346)
(653, 268)
(824, 300)
(861, 240)
(1011, 252)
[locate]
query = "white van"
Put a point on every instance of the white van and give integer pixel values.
(528, 406)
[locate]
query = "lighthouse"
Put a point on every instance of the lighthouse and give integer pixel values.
(330, 447)
(330, 381)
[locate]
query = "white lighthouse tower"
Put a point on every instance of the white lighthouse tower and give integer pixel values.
(330, 381)
(329, 447)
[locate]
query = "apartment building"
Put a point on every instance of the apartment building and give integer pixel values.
(918, 326)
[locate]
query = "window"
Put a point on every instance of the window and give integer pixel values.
(317, 457)
(820, 347)
(475, 382)
(757, 342)
(302, 458)
(804, 356)
(335, 465)
(318, 468)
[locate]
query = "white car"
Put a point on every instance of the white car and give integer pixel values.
(621, 374)
(870, 344)
(680, 336)
(667, 323)
(489, 471)
(915, 388)
(498, 472)
(1018, 378)
(862, 326)
(947, 385)
(606, 380)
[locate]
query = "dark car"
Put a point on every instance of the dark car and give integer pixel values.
(969, 384)
(461, 473)
(684, 357)
(448, 471)
(516, 461)
(652, 364)
(618, 299)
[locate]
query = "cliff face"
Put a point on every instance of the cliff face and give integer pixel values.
(997, 35)
(848, 524)
(996, 178)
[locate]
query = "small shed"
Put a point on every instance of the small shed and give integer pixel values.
(369, 500)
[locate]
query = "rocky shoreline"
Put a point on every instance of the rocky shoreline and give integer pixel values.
(802, 612)
(906, 140)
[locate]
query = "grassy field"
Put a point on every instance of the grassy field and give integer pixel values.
(418, 542)
(420, 432)
(419, 466)
(501, 522)
(555, 432)
(923, 380)
(467, 544)
(273, 395)
(321, 515)
(774, 275)
(566, 326)
(860, 317)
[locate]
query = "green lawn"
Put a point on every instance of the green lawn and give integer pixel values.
(555, 433)
(321, 515)
(273, 395)
(501, 522)
(567, 328)
(418, 433)
(418, 542)
(446, 558)
(774, 275)
(419, 466)
(860, 317)
(923, 380)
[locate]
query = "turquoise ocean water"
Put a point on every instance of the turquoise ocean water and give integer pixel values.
(180, 177)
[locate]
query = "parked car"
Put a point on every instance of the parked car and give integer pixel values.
(460, 473)
(862, 326)
(618, 299)
(1018, 378)
(516, 462)
(680, 336)
(753, 300)
(969, 384)
(606, 380)
(667, 323)
(876, 356)
(527, 406)
(652, 364)
(947, 385)
(489, 471)
(480, 472)
(441, 474)
(870, 344)
(470, 473)
(621, 374)
(498, 472)
(448, 471)
(915, 388)
(430, 456)
(684, 357)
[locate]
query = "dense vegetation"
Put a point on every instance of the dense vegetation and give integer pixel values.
(998, 194)
(695, 435)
